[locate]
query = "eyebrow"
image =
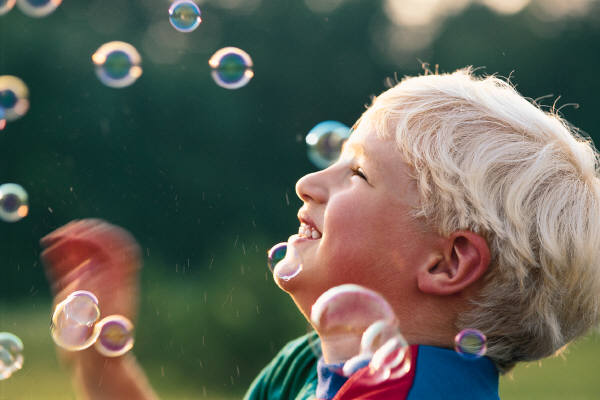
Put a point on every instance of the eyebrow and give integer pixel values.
(356, 148)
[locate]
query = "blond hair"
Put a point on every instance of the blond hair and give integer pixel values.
(487, 160)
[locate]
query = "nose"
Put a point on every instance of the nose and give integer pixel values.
(312, 187)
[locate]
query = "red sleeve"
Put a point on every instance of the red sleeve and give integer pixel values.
(397, 389)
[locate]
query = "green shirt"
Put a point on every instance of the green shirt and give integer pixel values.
(291, 375)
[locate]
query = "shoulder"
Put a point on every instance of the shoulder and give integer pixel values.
(292, 373)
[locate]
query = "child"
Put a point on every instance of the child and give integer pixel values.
(460, 202)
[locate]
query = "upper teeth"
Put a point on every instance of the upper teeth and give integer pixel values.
(308, 231)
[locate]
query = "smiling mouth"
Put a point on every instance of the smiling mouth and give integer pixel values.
(308, 232)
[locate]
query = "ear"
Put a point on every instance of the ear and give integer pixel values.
(465, 260)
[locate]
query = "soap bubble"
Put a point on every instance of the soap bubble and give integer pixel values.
(362, 327)
(325, 142)
(38, 8)
(284, 261)
(13, 202)
(73, 321)
(114, 336)
(11, 354)
(276, 254)
(6, 6)
(184, 15)
(14, 97)
(470, 343)
(231, 68)
(2, 119)
(117, 64)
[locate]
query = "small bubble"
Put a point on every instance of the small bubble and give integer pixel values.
(470, 343)
(284, 261)
(6, 6)
(231, 68)
(325, 142)
(14, 97)
(117, 64)
(72, 325)
(38, 8)
(13, 202)
(11, 354)
(276, 254)
(115, 336)
(184, 15)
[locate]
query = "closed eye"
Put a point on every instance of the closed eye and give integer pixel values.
(359, 172)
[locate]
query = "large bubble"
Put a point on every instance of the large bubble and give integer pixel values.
(114, 336)
(118, 64)
(361, 328)
(231, 68)
(184, 15)
(6, 6)
(38, 8)
(325, 142)
(72, 326)
(14, 97)
(13, 202)
(11, 354)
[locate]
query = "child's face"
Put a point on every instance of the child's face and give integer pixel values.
(360, 207)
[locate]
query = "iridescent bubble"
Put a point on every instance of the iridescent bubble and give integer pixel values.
(13, 202)
(231, 68)
(6, 6)
(11, 357)
(361, 325)
(184, 15)
(114, 336)
(470, 343)
(276, 254)
(2, 118)
(325, 142)
(14, 97)
(284, 261)
(38, 8)
(73, 321)
(117, 64)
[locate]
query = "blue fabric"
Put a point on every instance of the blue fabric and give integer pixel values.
(331, 379)
(444, 374)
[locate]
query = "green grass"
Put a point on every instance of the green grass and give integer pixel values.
(574, 375)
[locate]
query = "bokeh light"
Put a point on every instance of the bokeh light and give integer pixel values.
(11, 354)
(184, 15)
(118, 64)
(231, 68)
(14, 202)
